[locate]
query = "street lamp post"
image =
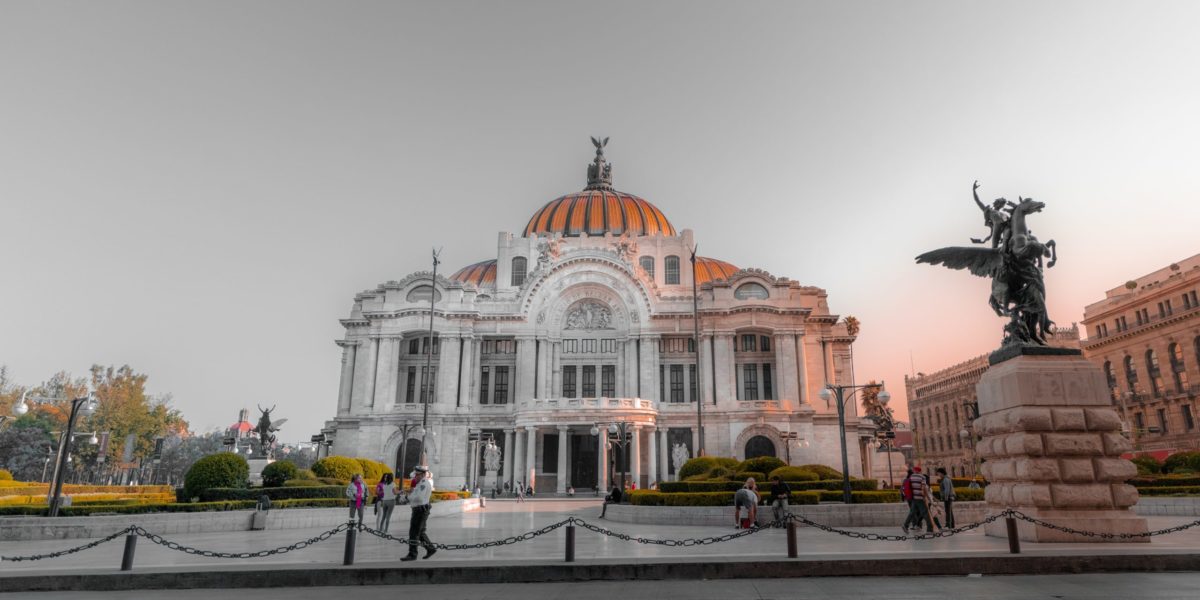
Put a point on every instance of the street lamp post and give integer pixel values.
(621, 429)
(885, 440)
(476, 440)
(838, 392)
(426, 384)
(84, 405)
(788, 438)
(405, 428)
(696, 345)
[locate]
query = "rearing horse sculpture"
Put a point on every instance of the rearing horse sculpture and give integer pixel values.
(1015, 268)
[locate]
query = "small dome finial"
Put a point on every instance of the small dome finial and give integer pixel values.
(600, 171)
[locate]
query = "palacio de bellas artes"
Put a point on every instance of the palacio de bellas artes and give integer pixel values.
(583, 319)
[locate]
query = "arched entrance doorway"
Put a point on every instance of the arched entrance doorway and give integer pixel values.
(759, 446)
(407, 456)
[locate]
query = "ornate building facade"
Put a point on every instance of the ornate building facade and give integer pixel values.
(943, 405)
(1145, 335)
(585, 319)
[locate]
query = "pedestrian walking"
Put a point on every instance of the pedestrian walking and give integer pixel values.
(418, 498)
(919, 509)
(356, 492)
(747, 498)
(948, 496)
(780, 492)
(520, 492)
(385, 493)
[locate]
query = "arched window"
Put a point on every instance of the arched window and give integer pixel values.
(407, 456)
(751, 290)
(759, 446)
(1156, 384)
(421, 294)
(1109, 376)
(518, 271)
(1178, 369)
(671, 269)
(647, 264)
(1131, 377)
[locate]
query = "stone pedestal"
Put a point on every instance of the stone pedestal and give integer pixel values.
(256, 468)
(1052, 448)
(489, 481)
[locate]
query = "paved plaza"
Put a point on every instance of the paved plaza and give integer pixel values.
(505, 518)
(1105, 586)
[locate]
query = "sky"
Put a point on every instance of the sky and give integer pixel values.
(199, 189)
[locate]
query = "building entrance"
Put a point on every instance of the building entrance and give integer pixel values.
(583, 461)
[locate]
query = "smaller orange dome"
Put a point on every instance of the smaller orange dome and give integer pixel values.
(711, 269)
(480, 273)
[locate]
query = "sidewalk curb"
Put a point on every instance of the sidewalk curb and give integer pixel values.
(319, 576)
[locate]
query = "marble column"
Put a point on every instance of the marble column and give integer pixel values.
(726, 373)
(465, 370)
(802, 369)
(663, 455)
(447, 370)
(372, 363)
(602, 461)
(555, 369)
(506, 468)
(543, 352)
(635, 456)
(346, 388)
(785, 369)
(649, 367)
(563, 476)
(696, 444)
(620, 374)
(629, 357)
(518, 457)
(651, 457)
(704, 373)
(531, 455)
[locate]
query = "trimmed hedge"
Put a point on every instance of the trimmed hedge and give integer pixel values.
(1147, 465)
(279, 493)
(742, 476)
(871, 497)
(1181, 490)
(675, 487)
(278, 472)
(224, 469)
(962, 482)
(372, 470)
(1164, 481)
(1181, 461)
(302, 483)
(823, 471)
(126, 509)
(654, 498)
(761, 464)
(5, 475)
(793, 474)
(337, 467)
(703, 464)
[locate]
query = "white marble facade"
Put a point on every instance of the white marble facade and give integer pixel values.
(586, 319)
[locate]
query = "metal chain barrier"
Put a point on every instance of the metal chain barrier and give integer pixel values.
(524, 537)
(658, 542)
(1092, 534)
(161, 541)
(86, 546)
(893, 538)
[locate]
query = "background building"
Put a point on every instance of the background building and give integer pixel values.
(1145, 334)
(584, 318)
(942, 406)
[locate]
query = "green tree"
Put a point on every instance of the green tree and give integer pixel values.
(125, 408)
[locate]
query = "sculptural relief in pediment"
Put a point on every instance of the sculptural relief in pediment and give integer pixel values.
(589, 315)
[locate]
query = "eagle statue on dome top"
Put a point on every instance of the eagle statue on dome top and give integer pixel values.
(600, 171)
(1013, 261)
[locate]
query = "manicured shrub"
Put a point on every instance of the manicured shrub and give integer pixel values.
(276, 473)
(1147, 465)
(654, 498)
(276, 493)
(372, 471)
(704, 464)
(5, 475)
(1164, 481)
(302, 483)
(340, 468)
(758, 476)
(792, 474)
(1183, 490)
(761, 464)
(1182, 462)
(306, 474)
(823, 472)
(223, 470)
(674, 487)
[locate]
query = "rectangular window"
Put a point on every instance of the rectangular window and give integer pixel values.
(483, 386)
(589, 381)
(410, 387)
(1162, 312)
(676, 383)
(1162, 420)
(671, 270)
(749, 343)
(608, 381)
(428, 384)
(570, 346)
(549, 453)
(1140, 421)
(764, 343)
(1188, 421)
(569, 381)
(414, 346)
(589, 346)
(500, 388)
(750, 382)
(1138, 315)
(1187, 302)
(1146, 315)
(768, 393)
(662, 383)
(1194, 303)
(693, 389)
(608, 345)
(1168, 303)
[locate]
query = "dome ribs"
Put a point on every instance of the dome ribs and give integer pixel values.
(596, 212)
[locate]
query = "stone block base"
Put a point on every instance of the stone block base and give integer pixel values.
(1099, 521)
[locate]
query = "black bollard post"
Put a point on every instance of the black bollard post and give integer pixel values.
(351, 533)
(1014, 542)
(570, 543)
(130, 546)
(791, 540)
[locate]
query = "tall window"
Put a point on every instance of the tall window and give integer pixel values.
(500, 389)
(569, 381)
(518, 270)
(1162, 420)
(662, 383)
(1109, 376)
(1188, 421)
(483, 386)
(749, 343)
(750, 382)
(671, 268)
(693, 389)
(647, 264)
(676, 383)
(1139, 421)
(428, 384)
(1156, 383)
(1178, 370)
(768, 393)
(1131, 377)
(589, 381)
(410, 388)
(608, 381)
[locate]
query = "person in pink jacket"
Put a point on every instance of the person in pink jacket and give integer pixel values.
(356, 492)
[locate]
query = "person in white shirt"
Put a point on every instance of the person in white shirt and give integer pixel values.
(418, 498)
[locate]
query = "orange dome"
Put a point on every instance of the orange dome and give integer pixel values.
(711, 269)
(480, 273)
(596, 212)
